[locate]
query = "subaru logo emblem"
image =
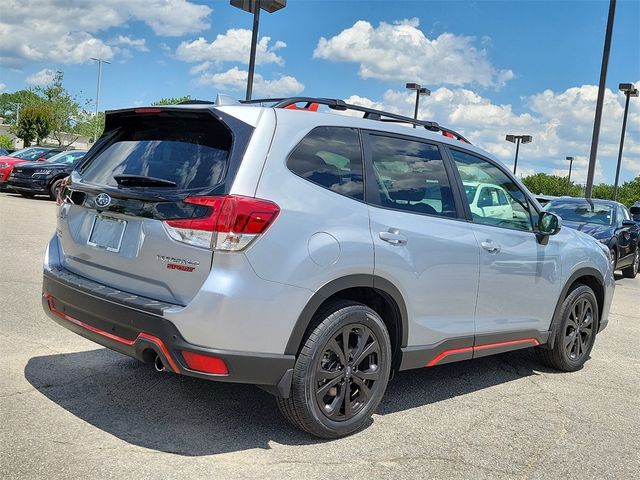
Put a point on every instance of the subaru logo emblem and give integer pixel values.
(103, 200)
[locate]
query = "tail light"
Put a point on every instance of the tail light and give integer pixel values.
(231, 223)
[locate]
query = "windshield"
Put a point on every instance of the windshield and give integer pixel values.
(582, 212)
(31, 153)
(66, 158)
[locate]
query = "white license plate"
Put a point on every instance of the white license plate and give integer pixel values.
(107, 233)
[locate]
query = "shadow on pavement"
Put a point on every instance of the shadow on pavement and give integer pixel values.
(188, 416)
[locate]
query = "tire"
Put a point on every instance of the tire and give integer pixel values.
(579, 313)
(614, 258)
(632, 270)
(338, 404)
(53, 188)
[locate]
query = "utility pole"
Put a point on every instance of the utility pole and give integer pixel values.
(629, 91)
(603, 80)
(100, 62)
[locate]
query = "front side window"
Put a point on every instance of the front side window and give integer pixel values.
(410, 176)
(330, 157)
(500, 202)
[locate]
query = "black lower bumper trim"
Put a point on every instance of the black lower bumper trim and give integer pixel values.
(142, 335)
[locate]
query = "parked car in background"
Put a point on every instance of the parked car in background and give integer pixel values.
(3, 152)
(44, 178)
(29, 154)
(608, 222)
(635, 212)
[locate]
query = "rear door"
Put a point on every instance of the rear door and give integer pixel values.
(112, 228)
(421, 244)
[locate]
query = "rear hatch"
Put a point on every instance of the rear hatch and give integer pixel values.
(116, 209)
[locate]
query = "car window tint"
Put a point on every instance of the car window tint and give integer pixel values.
(411, 176)
(330, 157)
(501, 202)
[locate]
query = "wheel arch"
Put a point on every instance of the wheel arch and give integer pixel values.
(377, 293)
(583, 276)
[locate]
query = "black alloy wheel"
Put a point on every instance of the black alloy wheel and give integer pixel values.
(341, 371)
(348, 372)
(579, 329)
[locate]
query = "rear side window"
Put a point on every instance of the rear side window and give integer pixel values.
(330, 157)
(410, 176)
(192, 151)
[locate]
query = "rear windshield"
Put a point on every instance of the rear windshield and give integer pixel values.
(190, 151)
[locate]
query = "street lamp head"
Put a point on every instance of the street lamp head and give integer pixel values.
(527, 138)
(424, 91)
(570, 159)
(268, 6)
(633, 93)
(511, 138)
(625, 87)
(413, 86)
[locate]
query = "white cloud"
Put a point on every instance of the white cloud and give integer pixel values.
(43, 77)
(236, 80)
(561, 125)
(2, 87)
(232, 46)
(401, 51)
(66, 31)
(135, 43)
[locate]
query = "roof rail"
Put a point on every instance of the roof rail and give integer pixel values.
(370, 113)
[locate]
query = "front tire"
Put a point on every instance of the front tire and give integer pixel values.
(579, 317)
(53, 189)
(632, 270)
(341, 372)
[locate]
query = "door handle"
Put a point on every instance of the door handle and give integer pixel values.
(490, 247)
(393, 237)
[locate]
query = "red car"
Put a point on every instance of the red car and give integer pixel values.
(29, 154)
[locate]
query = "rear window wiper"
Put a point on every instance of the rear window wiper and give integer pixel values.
(142, 181)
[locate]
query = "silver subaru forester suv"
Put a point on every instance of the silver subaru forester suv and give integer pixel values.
(313, 253)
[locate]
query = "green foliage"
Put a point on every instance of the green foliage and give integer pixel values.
(544, 184)
(65, 110)
(34, 123)
(5, 142)
(87, 126)
(172, 100)
(9, 103)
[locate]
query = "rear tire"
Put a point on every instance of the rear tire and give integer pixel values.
(341, 372)
(53, 189)
(632, 270)
(579, 317)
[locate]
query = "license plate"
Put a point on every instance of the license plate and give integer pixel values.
(107, 233)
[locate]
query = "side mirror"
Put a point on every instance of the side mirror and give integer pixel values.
(628, 223)
(549, 223)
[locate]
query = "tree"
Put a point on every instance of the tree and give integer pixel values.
(34, 123)
(629, 192)
(65, 111)
(172, 100)
(544, 184)
(5, 142)
(87, 126)
(11, 102)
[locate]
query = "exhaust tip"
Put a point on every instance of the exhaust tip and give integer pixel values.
(159, 364)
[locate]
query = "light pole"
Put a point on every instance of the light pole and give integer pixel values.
(100, 62)
(629, 91)
(419, 91)
(591, 171)
(517, 139)
(569, 177)
(254, 6)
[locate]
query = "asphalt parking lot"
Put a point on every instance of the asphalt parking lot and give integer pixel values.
(71, 409)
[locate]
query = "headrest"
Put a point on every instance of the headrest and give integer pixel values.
(408, 187)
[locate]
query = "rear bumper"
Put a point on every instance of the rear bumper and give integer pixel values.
(137, 329)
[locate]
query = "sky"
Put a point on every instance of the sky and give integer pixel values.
(493, 67)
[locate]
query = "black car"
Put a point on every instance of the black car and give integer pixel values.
(608, 222)
(33, 178)
(635, 212)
